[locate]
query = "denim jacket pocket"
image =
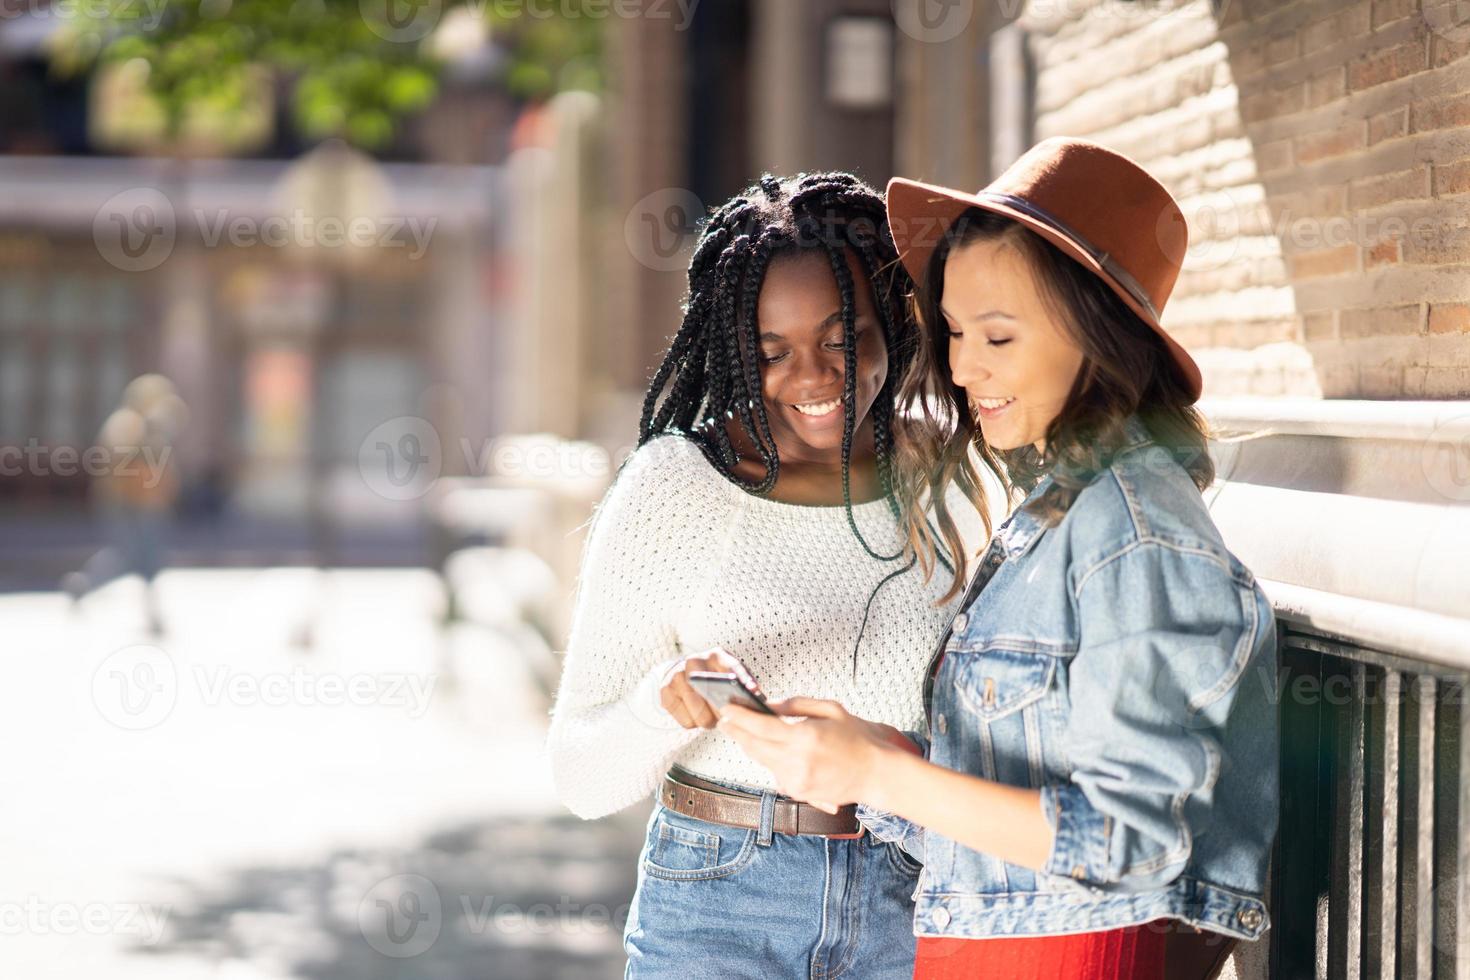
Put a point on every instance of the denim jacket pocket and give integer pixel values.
(996, 682)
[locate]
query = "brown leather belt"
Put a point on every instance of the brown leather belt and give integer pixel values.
(686, 793)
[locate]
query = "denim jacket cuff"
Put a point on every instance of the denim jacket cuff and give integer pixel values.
(884, 825)
(890, 827)
(921, 740)
(1080, 846)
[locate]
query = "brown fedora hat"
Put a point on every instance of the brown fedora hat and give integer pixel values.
(1097, 206)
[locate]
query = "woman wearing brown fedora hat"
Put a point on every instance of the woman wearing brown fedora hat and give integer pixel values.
(1100, 778)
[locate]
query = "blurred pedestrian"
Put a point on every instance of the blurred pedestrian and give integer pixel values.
(135, 492)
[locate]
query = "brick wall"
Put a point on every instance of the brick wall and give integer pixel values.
(1321, 151)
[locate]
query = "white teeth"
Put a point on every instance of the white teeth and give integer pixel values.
(819, 408)
(993, 402)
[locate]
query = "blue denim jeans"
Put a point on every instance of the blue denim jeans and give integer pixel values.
(716, 902)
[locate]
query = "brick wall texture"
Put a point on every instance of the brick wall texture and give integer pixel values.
(1321, 152)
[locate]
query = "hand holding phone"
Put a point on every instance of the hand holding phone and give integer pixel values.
(692, 708)
(720, 688)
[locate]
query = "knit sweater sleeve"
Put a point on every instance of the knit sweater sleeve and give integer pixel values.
(610, 740)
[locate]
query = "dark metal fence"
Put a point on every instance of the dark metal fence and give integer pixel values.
(1371, 875)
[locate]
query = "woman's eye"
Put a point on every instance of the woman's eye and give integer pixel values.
(1000, 343)
(772, 360)
(956, 334)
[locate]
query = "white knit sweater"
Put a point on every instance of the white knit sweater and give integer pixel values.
(679, 560)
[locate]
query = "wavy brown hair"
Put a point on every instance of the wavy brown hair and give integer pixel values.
(1126, 369)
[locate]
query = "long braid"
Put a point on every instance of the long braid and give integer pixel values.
(690, 335)
(722, 395)
(754, 420)
(838, 259)
(900, 355)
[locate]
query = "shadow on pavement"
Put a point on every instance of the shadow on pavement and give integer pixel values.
(519, 897)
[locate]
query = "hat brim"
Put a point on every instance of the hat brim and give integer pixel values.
(919, 214)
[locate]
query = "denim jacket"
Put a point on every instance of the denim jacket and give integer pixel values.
(1122, 663)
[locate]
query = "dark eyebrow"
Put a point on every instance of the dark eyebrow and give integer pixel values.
(832, 320)
(987, 315)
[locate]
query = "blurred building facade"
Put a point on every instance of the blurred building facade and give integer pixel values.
(284, 346)
(300, 294)
(1316, 146)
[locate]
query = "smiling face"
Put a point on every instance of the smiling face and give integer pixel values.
(1007, 349)
(802, 366)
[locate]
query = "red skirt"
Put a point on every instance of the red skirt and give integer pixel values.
(1129, 953)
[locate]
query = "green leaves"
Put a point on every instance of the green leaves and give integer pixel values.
(353, 68)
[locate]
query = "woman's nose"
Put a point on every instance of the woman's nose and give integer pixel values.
(967, 370)
(817, 368)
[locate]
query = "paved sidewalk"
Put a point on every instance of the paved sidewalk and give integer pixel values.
(307, 776)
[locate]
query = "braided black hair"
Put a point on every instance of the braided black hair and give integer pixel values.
(710, 374)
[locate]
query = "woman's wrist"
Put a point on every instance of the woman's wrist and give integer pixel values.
(884, 763)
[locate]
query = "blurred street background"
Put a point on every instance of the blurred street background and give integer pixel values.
(324, 324)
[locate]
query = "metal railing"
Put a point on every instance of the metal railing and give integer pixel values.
(1370, 870)
(1356, 518)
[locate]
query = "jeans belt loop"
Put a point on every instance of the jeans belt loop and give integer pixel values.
(768, 819)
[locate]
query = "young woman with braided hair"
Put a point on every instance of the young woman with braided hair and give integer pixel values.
(752, 530)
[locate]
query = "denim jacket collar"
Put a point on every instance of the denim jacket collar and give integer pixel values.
(1022, 529)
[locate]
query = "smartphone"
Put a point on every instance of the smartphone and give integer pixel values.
(720, 689)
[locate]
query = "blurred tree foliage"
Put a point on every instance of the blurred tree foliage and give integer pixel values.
(352, 68)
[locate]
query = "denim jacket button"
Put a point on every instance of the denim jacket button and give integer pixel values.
(1250, 918)
(943, 724)
(960, 622)
(1079, 872)
(941, 917)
